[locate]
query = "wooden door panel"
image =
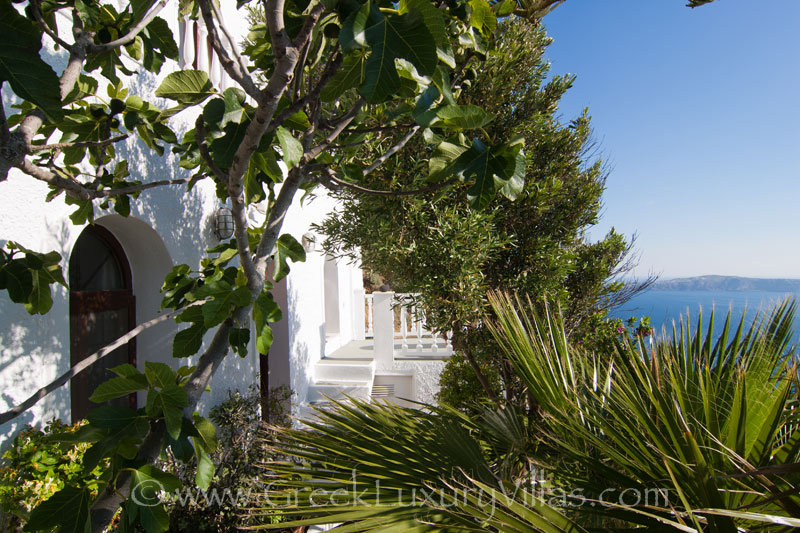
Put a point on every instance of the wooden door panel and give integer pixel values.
(102, 309)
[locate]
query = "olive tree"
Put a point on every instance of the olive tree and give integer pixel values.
(450, 255)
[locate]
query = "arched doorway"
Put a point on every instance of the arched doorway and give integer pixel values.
(102, 309)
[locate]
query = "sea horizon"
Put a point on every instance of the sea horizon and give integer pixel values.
(667, 306)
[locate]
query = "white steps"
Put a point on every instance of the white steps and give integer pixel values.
(333, 370)
(323, 391)
(337, 379)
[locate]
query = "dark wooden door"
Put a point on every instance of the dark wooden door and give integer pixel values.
(102, 309)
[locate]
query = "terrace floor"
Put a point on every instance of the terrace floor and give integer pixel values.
(362, 351)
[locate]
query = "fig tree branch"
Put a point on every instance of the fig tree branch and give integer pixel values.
(380, 128)
(338, 128)
(200, 137)
(326, 76)
(302, 43)
(109, 501)
(391, 151)
(286, 57)
(78, 190)
(331, 176)
(37, 14)
(304, 36)
(299, 74)
(77, 56)
(277, 214)
(143, 187)
(61, 380)
(82, 144)
(132, 33)
(71, 187)
(237, 70)
(4, 132)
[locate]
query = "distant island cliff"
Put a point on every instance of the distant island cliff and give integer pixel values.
(727, 283)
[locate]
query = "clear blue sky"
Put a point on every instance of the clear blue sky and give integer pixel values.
(697, 112)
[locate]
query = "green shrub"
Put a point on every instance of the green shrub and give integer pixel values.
(459, 384)
(36, 466)
(243, 448)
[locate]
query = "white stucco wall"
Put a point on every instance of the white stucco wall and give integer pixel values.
(426, 378)
(305, 313)
(35, 350)
(299, 341)
(32, 348)
(351, 288)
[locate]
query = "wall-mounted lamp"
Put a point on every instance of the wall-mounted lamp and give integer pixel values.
(309, 242)
(223, 223)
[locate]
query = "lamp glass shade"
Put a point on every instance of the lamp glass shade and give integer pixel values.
(223, 223)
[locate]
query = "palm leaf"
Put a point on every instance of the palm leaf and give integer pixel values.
(677, 415)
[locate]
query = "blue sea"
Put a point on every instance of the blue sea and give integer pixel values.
(664, 307)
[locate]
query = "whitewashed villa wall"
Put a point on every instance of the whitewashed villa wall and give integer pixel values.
(167, 226)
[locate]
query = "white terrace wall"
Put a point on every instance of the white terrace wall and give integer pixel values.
(300, 340)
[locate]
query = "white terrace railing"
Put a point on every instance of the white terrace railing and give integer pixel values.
(369, 326)
(397, 327)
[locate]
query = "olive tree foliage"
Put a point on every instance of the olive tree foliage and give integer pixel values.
(327, 92)
(531, 242)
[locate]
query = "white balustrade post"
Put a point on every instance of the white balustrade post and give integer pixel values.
(403, 330)
(370, 324)
(186, 50)
(418, 327)
(383, 336)
(202, 48)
